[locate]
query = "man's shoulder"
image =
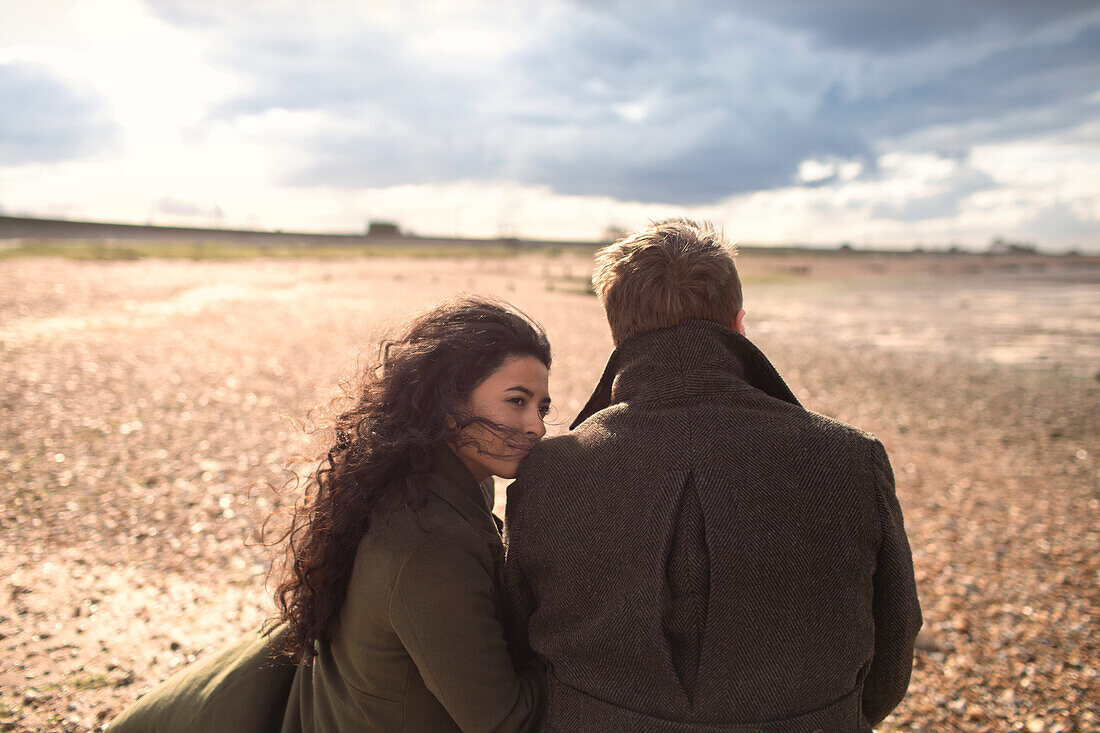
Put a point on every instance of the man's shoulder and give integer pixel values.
(553, 463)
(841, 440)
(549, 452)
(841, 430)
(577, 446)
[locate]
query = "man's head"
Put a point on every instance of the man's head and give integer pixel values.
(673, 271)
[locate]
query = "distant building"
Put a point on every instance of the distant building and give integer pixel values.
(383, 229)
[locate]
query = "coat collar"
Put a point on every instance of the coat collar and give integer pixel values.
(691, 358)
(451, 481)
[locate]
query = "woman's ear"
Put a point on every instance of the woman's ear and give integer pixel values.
(451, 414)
(739, 322)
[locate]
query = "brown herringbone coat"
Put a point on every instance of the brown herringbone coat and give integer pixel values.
(703, 554)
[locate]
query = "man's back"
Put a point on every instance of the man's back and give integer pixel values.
(704, 550)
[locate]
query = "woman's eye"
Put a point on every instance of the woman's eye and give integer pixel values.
(518, 401)
(544, 410)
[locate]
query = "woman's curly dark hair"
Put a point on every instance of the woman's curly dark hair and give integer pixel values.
(403, 408)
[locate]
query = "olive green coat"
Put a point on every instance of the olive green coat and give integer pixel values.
(419, 644)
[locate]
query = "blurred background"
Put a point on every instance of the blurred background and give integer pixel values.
(209, 213)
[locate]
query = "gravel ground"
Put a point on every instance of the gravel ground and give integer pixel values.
(148, 406)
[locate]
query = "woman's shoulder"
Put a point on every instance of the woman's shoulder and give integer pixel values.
(399, 531)
(402, 538)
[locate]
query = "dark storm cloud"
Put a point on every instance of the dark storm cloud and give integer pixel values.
(47, 118)
(887, 27)
(684, 103)
(1041, 87)
(711, 118)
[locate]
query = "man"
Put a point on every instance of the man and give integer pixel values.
(701, 553)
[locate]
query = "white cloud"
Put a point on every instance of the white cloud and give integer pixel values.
(152, 74)
(1025, 184)
(632, 111)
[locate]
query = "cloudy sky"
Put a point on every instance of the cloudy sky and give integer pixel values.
(874, 122)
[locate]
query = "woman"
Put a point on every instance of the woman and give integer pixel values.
(391, 607)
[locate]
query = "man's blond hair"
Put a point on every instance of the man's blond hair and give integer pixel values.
(673, 271)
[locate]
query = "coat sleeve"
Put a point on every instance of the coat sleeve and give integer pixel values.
(443, 610)
(897, 613)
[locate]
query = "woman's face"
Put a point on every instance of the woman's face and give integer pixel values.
(516, 396)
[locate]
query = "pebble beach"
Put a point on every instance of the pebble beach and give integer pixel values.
(151, 407)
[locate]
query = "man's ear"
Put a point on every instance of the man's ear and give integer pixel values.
(739, 322)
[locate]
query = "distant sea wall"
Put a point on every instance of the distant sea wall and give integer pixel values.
(15, 227)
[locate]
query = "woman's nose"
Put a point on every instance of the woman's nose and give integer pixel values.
(537, 427)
